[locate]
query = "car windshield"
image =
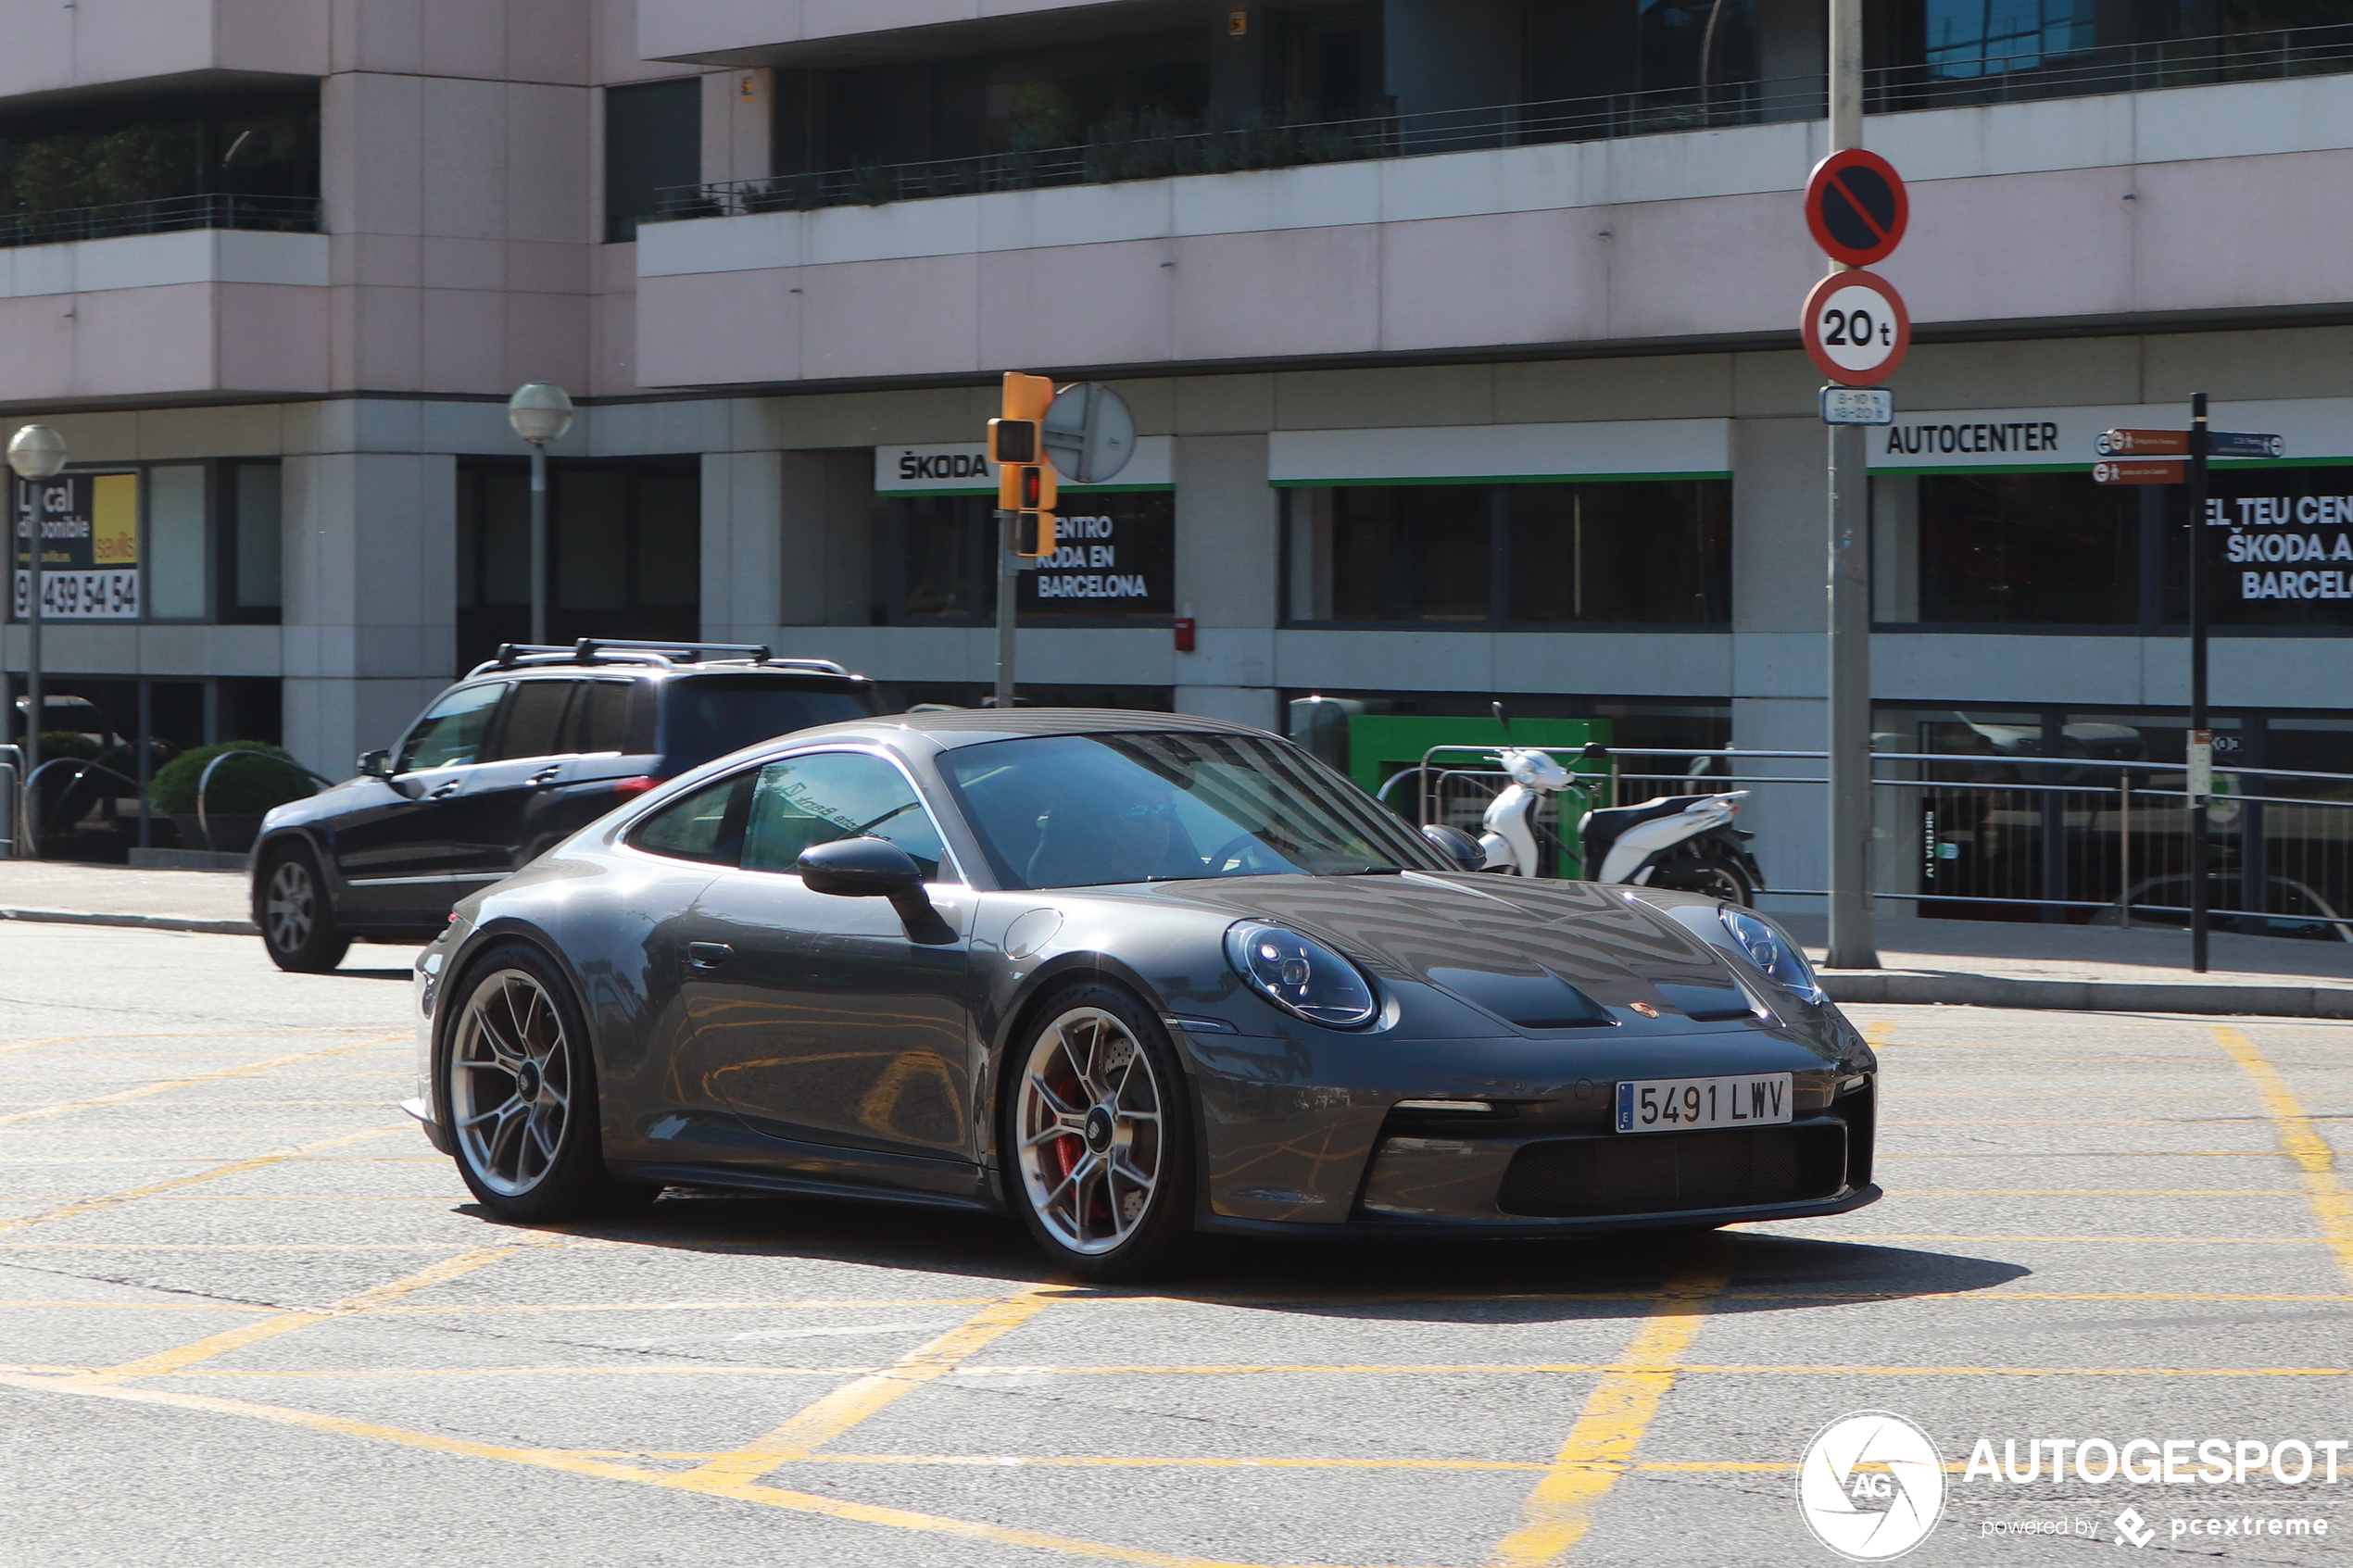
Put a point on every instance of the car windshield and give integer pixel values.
(1086, 810)
(711, 716)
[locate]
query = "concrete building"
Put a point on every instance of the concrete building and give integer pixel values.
(1462, 333)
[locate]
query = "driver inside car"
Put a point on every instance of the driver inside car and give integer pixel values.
(1117, 828)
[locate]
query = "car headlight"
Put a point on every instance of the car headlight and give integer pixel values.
(1773, 953)
(1301, 977)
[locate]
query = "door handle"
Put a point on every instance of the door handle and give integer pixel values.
(545, 776)
(708, 955)
(444, 791)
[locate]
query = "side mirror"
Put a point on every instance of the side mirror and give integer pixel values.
(375, 764)
(1457, 846)
(875, 868)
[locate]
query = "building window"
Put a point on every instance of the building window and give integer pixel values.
(624, 546)
(191, 543)
(653, 143)
(1595, 552)
(179, 586)
(96, 170)
(1114, 562)
(255, 540)
(2032, 549)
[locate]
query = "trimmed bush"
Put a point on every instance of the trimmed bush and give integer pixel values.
(246, 786)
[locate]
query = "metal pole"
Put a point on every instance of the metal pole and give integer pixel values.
(29, 814)
(146, 763)
(1008, 591)
(538, 541)
(2201, 746)
(1849, 607)
(2124, 847)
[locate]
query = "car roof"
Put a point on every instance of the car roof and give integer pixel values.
(954, 727)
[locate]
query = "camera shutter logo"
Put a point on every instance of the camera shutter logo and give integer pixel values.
(1871, 1486)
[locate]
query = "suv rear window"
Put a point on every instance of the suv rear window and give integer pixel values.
(711, 716)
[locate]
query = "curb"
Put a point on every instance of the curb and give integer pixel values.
(142, 923)
(2090, 996)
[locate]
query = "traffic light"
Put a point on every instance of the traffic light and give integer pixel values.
(1016, 438)
(1029, 491)
(1026, 484)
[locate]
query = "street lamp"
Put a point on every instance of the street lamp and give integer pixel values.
(36, 453)
(541, 412)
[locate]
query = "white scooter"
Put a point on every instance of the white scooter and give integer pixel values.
(1685, 842)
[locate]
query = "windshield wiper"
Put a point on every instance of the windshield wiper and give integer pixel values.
(1371, 870)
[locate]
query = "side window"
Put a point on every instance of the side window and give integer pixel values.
(707, 825)
(450, 733)
(600, 719)
(535, 722)
(829, 795)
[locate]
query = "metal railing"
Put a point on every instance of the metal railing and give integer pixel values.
(287, 215)
(204, 784)
(11, 798)
(2107, 840)
(1155, 147)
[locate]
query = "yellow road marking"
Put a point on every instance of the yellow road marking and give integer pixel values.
(170, 1085)
(1560, 1510)
(235, 1168)
(1863, 1238)
(700, 1306)
(2096, 1192)
(846, 1407)
(36, 1045)
(687, 1481)
(2331, 1203)
(702, 1369)
(164, 1362)
(1880, 1033)
(1631, 1367)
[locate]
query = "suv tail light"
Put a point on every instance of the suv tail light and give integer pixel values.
(629, 789)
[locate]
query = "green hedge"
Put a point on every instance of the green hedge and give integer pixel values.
(242, 786)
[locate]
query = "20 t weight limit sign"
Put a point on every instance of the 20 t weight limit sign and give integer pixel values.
(1856, 328)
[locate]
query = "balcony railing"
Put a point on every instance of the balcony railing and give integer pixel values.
(1150, 147)
(282, 214)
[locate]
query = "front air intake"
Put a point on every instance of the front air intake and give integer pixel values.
(1665, 1173)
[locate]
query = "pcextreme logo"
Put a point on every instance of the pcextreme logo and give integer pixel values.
(1871, 1487)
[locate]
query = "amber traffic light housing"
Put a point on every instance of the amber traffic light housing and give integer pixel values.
(1026, 484)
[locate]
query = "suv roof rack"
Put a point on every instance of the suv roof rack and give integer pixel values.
(624, 650)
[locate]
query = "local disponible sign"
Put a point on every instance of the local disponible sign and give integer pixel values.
(2286, 547)
(83, 529)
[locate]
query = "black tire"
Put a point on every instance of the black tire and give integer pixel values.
(1111, 1196)
(1715, 875)
(291, 907)
(516, 1082)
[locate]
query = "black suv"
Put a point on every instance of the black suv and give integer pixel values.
(523, 752)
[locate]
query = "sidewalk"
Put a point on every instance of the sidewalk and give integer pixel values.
(2088, 968)
(78, 894)
(1959, 962)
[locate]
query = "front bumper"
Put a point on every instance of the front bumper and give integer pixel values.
(1334, 1134)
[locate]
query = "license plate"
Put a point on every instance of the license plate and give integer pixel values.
(1678, 1105)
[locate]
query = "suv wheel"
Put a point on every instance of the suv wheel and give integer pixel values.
(290, 906)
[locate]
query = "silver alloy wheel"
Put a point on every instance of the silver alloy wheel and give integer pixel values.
(1090, 1129)
(510, 1083)
(290, 908)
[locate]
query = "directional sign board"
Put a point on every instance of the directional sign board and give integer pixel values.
(2176, 444)
(1856, 328)
(1856, 206)
(2138, 470)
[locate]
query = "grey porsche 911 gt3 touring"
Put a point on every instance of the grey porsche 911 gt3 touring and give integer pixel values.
(1131, 977)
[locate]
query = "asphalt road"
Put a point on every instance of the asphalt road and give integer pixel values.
(248, 1319)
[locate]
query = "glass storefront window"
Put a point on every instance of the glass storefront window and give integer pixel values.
(1586, 552)
(1114, 559)
(2028, 548)
(176, 577)
(2055, 549)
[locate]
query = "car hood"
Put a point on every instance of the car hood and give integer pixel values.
(1503, 944)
